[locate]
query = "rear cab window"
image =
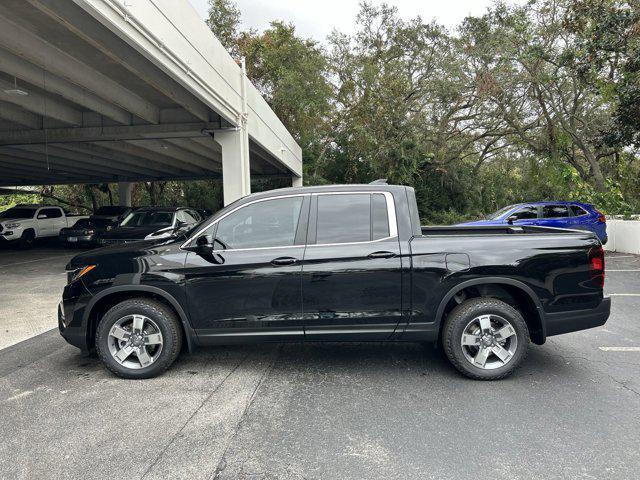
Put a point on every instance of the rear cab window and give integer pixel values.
(352, 218)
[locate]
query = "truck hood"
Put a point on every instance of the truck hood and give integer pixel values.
(14, 220)
(114, 255)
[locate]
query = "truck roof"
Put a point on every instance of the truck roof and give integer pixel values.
(330, 188)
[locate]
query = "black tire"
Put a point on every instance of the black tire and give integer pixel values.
(27, 239)
(167, 323)
(458, 320)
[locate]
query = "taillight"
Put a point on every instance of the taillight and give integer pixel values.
(596, 266)
(601, 217)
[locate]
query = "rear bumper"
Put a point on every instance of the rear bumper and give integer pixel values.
(573, 321)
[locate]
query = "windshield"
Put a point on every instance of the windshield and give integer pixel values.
(18, 213)
(499, 213)
(148, 218)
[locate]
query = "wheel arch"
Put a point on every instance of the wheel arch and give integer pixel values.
(109, 297)
(514, 292)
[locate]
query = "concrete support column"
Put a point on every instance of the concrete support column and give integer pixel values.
(125, 189)
(236, 176)
(296, 181)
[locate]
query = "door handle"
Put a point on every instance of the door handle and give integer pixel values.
(382, 255)
(283, 261)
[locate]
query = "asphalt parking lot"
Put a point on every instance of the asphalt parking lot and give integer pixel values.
(314, 411)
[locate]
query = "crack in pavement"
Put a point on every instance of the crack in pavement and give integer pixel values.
(222, 464)
(193, 414)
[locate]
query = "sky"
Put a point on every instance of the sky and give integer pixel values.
(316, 19)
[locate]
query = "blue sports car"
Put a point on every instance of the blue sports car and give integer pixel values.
(574, 215)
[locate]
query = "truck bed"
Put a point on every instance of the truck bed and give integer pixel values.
(491, 230)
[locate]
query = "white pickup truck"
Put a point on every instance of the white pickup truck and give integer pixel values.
(26, 223)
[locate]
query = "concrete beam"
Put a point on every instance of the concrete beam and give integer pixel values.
(127, 161)
(184, 157)
(20, 68)
(190, 146)
(236, 176)
(84, 26)
(40, 104)
(111, 133)
(153, 158)
(20, 166)
(16, 114)
(38, 51)
(82, 160)
(42, 163)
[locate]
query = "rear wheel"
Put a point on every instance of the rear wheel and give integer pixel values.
(138, 338)
(485, 338)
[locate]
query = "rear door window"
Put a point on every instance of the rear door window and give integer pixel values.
(51, 212)
(379, 217)
(555, 211)
(344, 218)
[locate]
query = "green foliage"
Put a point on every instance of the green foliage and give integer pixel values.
(529, 102)
(8, 201)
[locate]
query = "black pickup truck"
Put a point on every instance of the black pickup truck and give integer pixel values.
(334, 263)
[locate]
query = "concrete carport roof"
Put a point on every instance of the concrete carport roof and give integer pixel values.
(119, 91)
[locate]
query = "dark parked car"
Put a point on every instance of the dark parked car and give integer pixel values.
(336, 263)
(151, 223)
(85, 232)
(575, 215)
(114, 213)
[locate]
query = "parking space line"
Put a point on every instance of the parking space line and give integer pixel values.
(620, 349)
(30, 261)
(621, 256)
(623, 294)
(633, 270)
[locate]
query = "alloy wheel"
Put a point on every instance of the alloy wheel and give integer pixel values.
(489, 342)
(135, 341)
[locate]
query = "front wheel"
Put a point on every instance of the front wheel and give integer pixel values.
(138, 338)
(485, 338)
(27, 239)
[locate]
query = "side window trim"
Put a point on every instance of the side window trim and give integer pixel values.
(391, 218)
(215, 223)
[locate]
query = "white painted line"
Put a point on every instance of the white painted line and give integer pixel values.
(623, 294)
(30, 261)
(635, 270)
(620, 349)
(621, 256)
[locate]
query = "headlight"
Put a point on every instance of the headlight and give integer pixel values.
(73, 275)
(12, 225)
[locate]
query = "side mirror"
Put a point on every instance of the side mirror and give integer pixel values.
(180, 224)
(511, 219)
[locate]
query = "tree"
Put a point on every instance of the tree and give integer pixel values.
(224, 21)
(608, 56)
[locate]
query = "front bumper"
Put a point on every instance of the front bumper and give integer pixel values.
(71, 310)
(573, 321)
